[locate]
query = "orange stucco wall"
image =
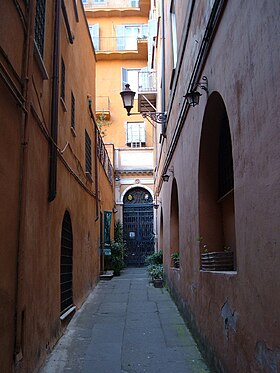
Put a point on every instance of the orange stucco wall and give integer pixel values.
(31, 225)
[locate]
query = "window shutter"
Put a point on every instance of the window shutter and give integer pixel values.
(142, 132)
(135, 133)
(124, 78)
(120, 31)
(129, 133)
(94, 33)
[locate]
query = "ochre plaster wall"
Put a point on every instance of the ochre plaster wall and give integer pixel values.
(30, 224)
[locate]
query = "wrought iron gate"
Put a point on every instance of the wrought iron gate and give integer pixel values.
(138, 217)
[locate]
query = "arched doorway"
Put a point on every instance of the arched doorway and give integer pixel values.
(138, 220)
(66, 264)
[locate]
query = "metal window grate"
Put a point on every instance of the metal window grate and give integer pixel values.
(72, 110)
(40, 25)
(62, 86)
(225, 160)
(66, 262)
(88, 153)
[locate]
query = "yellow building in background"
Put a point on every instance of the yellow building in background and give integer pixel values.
(121, 33)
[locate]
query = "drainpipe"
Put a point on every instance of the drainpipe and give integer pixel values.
(54, 104)
(163, 64)
(27, 59)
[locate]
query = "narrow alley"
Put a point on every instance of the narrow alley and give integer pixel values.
(126, 325)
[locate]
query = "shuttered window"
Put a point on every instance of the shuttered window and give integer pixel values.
(62, 83)
(72, 110)
(66, 263)
(40, 25)
(88, 154)
(135, 134)
(225, 160)
(94, 33)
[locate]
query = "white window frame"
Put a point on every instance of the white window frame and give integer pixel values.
(127, 75)
(173, 34)
(128, 34)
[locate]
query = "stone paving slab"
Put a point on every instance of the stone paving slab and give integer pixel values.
(126, 326)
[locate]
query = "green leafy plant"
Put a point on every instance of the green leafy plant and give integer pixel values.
(155, 271)
(155, 258)
(102, 124)
(176, 259)
(118, 249)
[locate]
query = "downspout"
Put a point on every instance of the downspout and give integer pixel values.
(163, 64)
(54, 104)
(22, 184)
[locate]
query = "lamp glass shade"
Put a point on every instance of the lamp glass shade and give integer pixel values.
(193, 98)
(128, 98)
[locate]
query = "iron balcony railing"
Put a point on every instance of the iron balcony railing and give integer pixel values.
(147, 81)
(111, 4)
(115, 44)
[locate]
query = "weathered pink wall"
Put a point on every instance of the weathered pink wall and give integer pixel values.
(235, 314)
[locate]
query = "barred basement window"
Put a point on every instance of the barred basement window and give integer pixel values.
(40, 25)
(88, 154)
(72, 111)
(62, 85)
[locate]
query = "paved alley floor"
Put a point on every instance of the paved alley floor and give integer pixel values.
(126, 326)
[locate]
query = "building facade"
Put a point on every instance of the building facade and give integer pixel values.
(120, 32)
(219, 208)
(56, 176)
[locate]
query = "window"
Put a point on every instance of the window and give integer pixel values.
(62, 83)
(173, 34)
(40, 25)
(127, 36)
(130, 76)
(225, 160)
(94, 33)
(85, 1)
(72, 111)
(134, 3)
(88, 154)
(66, 264)
(135, 134)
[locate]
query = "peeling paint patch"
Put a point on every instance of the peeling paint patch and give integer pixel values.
(230, 319)
(266, 358)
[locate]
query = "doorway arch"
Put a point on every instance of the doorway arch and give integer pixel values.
(138, 221)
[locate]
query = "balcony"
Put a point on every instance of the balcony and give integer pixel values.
(103, 107)
(113, 8)
(124, 47)
(147, 91)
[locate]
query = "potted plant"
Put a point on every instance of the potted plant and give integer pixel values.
(156, 273)
(118, 247)
(155, 258)
(176, 259)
